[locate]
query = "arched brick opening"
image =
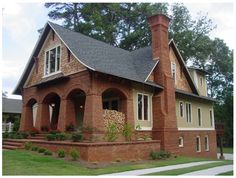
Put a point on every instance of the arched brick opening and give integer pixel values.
(76, 104)
(28, 122)
(51, 111)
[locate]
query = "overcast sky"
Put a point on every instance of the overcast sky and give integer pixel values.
(21, 21)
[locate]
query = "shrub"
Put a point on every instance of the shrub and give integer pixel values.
(76, 137)
(34, 148)
(34, 131)
(74, 154)
(28, 145)
(70, 127)
(61, 153)
(61, 136)
(5, 135)
(112, 132)
(16, 125)
(24, 134)
(51, 137)
(160, 155)
(55, 132)
(41, 150)
(47, 152)
(127, 131)
(44, 128)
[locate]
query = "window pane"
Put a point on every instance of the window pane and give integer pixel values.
(199, 117)
(145, 107)
(114, 105)
(47, 63)
(52, 60)
(140, 105)
(181, 108)
(198, 144)
(187, 112)
(190, 111)
(58, 58)
(211, 118)
(206, 143)
(105, 105)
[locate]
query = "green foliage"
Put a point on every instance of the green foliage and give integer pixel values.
(28, 145)
(74, 154)
(61, 153)
(41, 150)
(128, 131)
(16, 125)
(54, 131)
(77, 137)
(34, 148)
(160, 155)
(17, 135)
(111, 132)
(5, 135)
(51, 137)
(61, 136)
(70, 127)
(47, 152)
(24, 135)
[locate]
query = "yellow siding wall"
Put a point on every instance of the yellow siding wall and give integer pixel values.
(205, 110)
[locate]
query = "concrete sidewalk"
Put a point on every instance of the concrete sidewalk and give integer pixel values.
(227, 156)
(211, 171)
(159, 169)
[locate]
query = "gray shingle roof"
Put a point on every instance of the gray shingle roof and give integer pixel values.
(102, 57)
(11, 105)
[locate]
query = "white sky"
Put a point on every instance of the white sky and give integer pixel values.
(20, 22)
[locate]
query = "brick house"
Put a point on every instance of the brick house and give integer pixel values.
(72, 78)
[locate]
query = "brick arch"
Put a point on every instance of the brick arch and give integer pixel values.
(51, 92)
(118, 91)
(31, 101)
(77, 87)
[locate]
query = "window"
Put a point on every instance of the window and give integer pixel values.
(173, 70)
(199, 113)
(181, 141)
(188, 108)
(211, 117)
(201, 81)
(143, 107)
(198, 144)
(206, 143)
(111, 104)
(181, 109)
(52, 61)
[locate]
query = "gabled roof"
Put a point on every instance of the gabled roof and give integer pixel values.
(11, 105)
(185, 69)
(97, 56)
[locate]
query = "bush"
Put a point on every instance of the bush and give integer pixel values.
(51, 137)
(34, 131)
(76, 137)
(61, 153)
(70, 127)
(28, 145)
(34, 148)
(74, 154)
(5, 135)
(16, 125)
(112, 132)
(41, 150)
(47, 152)
(127, 131)
(24, 135)
(55, 132)
(61, 136)
(160, 155)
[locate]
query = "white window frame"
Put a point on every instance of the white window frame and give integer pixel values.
(173, 68)
(206, 146)
(45, 59)
(180, 109)
(181, 142)
(188, 116)
(198, 146)
(148, 105)
(211, 116)
(199, 124)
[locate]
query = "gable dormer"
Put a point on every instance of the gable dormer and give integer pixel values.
(199, 78)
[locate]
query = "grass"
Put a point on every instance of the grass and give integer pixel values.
(230, 173)
(226, 150)
(20, 162)
(191, 169)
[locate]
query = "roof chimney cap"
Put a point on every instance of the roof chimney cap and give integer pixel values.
(159, 18)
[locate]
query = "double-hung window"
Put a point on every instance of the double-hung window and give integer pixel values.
(181, 109)
(211, 117)
(199, 113)
(198, 144)
(143, 107)
(173, 71)
(52, 60)
(206, 143)
(188, 108)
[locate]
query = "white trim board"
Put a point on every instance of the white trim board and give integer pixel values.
(195, 128)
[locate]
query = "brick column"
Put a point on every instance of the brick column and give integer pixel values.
(26, 121)
(129, 111)
(67, 114)
(43, 116)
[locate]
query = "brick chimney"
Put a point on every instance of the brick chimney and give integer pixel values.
(164, 109)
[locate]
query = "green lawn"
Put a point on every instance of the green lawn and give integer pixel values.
(191, 169)
(226, 150)
(22, 162)
(230, 173)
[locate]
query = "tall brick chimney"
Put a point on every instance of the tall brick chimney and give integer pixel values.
(164, 109)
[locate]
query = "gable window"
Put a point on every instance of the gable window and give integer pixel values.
(211, 117)
(199, 113)
(201, 81)
(143, 107)
(198, 144)
(206, 143)
(181, 109)
(173, 71)
(181, 142)
(52, 61)
(188, 108)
